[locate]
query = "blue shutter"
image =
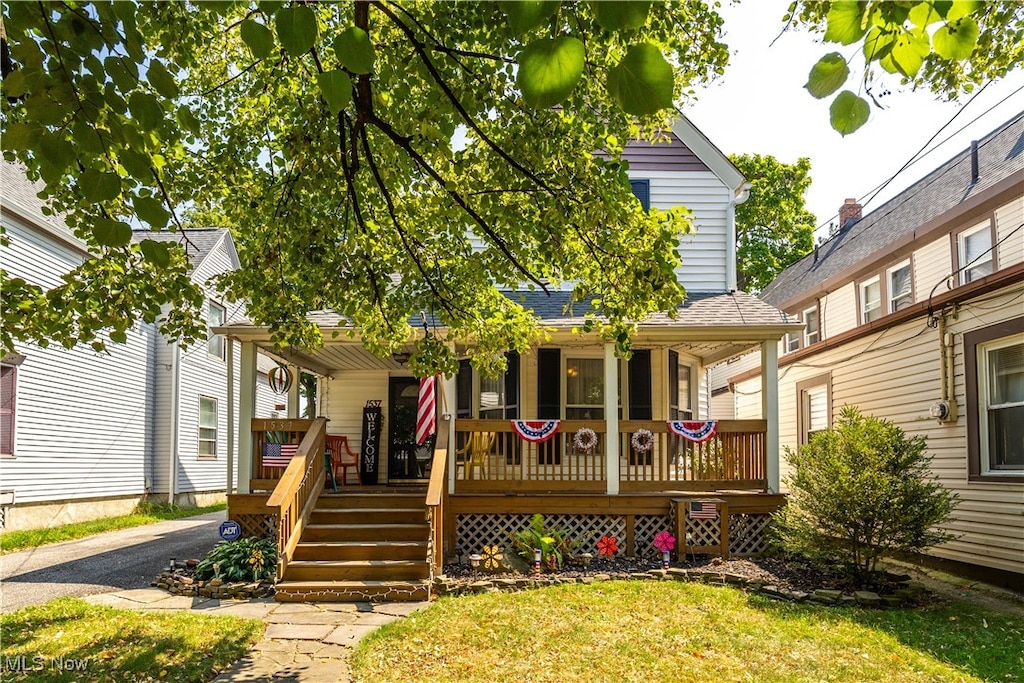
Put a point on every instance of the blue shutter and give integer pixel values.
(642, 190)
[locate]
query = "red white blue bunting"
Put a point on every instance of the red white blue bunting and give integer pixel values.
(698, 432)
(535, 431)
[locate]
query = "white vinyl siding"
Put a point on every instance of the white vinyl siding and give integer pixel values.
(975, 253)
(839, 311)
(900, 281)
(1009, 234)
(932, 265)
(870, 300)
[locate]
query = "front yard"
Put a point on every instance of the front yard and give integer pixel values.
(668, 631)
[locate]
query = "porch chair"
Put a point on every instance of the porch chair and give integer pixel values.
(475, 453)
(341, 457)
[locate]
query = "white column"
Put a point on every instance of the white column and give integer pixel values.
(770, 409)
(448, 387)
(246, 411)
(230, 486)
(611, 418)
(293, 392)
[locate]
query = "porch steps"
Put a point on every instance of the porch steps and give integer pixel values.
(364, 546)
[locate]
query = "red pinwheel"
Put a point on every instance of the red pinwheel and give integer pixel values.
(608, 546)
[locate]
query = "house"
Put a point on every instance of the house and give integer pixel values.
(86, 435)
(915, 313)
(594, 461)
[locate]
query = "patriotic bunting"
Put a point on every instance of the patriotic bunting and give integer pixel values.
(698, 432)
(535, 431)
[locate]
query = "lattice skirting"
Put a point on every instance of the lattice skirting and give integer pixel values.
(259, 526)
(644, 529)
(747, 534)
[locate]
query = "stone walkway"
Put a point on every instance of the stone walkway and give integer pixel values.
(303, 641)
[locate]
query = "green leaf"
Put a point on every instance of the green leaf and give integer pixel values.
(924, 14)
(162, 80)
(848, 112)
(110, 233)
(336, 87)
(122, 71)
(296, 29)
(962, 8)
(616, 15)
(145, 109)
(188, 120)
(956, 40)
(152, 211)
(15, 84)
(528, 14)
(97, 186)
(156, 252)
(845, 22)
(549, 69)
(18, 136)
(57, 152)
(354, 50)
(828, 75)
(907, 54)
(258, 38)
(642, 83)
(138, 165)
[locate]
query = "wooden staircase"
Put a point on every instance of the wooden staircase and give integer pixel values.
(362, 546)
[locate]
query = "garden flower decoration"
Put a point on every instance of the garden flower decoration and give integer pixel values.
(608, 546)
(665, 542)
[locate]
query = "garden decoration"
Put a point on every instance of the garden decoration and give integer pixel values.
(608, 546)
(536, 562)
(492, 557)
(697, 432)
(585, 440)
(280, 379)
(535, 431)
(666, 543)
(642, 440)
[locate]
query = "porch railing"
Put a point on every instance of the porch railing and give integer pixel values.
(491, 457)
(295, 495)
(286, 431)
(437, 498)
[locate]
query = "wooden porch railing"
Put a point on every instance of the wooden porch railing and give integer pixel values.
(491, 457)
(286, 430)
(437, 498)
(295, 495)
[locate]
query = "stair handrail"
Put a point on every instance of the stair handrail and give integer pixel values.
(437, 496)
(296, 493)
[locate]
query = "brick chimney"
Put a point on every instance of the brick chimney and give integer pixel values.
(849, 211)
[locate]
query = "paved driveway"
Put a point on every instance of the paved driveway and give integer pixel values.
(103, 563)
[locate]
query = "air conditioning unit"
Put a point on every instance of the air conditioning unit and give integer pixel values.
(944, 411)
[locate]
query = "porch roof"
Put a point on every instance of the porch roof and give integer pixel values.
(712, 326)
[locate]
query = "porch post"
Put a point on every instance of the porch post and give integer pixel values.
(246, 411)
(611, 418)
(770, 410)
(293, 392)
(231, 414)
(449, 389)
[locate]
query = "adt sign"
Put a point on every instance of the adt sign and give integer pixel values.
(230, 531)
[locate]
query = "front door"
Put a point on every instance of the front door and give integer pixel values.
(403, 398)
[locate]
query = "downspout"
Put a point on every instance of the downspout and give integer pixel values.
(230, 486)
(739, 196)
(172, 467)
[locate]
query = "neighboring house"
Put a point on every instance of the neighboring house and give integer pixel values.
(611, 488)
(915, 313)
(84, 434)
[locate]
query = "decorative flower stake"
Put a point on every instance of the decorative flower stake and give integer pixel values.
(608, 546)
(665, 542)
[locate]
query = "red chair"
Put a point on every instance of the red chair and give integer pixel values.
(341, 458)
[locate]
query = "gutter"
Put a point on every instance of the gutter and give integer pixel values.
(739, 195)
(172, 467)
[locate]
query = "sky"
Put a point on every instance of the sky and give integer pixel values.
(759, 106)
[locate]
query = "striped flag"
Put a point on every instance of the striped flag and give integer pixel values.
(703, 510)
(426, 409)
(278, 454)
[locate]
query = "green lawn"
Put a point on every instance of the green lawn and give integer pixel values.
(104, 644)
(143, 514)
(668, 631)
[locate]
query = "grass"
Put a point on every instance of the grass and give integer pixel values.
(104, 644)
(145, 513)
(647, 631)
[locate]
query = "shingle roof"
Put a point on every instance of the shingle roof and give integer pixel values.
(200, 242)
(1000, 154)
(18, 192)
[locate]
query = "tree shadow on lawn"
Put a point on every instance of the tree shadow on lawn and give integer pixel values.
(979, 642)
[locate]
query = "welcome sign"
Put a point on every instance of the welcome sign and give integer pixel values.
(369, 453)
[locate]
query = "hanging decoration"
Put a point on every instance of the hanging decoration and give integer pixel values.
(280, 379)
(585, 440)
(698, 432)
(642, 440)
(535, 431)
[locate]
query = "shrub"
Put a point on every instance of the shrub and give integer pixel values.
(247, 559)
(861, 490)
(555, 544)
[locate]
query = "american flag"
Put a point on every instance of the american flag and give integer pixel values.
(703, 510)
(278, 454)
(426, 411)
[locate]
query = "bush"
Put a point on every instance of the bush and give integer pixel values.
(861, 490)
(247, 559)
(555, 544)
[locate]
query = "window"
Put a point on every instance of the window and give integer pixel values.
(900, 287)
(680, 387)
(811, 326)
(791, 342)
(642, 190)
(208, 427)
(8, 396)
(492, 398)
(994, 374)
(870, 300)
(814, 406)
(215, 342)
(584, 389)
(975, 252)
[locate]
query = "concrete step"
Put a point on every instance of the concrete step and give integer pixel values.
(357, 570)
(367, 515)
(365, 532)
(361, 550)
(352, 591)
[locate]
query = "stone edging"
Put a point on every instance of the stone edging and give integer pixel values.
(908, 593)
(177, 583)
